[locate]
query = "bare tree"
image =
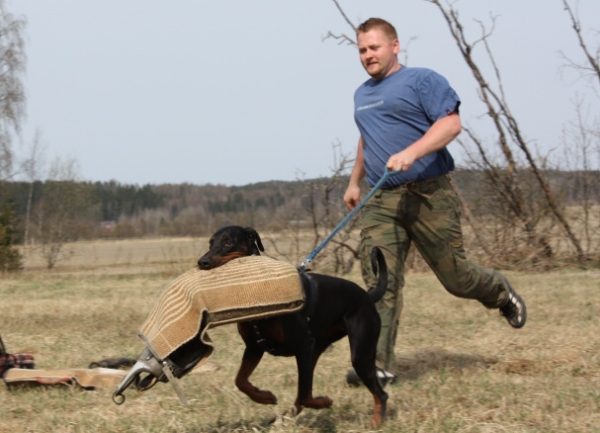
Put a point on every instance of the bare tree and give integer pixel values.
(330, 195)
(32, 166)
(508, 133)
(583, 141)
(314, 218)
(12, 102)
(592, 68)
(12, 95)
(583, 134)
(64, 199)
(342, 37)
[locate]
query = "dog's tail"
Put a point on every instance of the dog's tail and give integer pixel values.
(379, 267)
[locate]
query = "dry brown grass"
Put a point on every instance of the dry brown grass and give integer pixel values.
(125, 256)
(462, 368)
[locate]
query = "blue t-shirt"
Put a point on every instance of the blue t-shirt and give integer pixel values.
(396, 111)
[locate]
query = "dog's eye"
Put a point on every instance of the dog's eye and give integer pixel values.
(228, 243)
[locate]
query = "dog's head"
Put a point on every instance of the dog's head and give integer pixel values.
(229, 243)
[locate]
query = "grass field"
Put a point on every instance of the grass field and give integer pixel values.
(462, 367)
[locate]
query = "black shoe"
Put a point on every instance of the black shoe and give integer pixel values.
(352, 378)
(514, 310)
(383, 376)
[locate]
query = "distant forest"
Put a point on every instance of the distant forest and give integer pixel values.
(111, 209)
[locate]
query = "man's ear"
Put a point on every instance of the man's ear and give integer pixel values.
(396, 45)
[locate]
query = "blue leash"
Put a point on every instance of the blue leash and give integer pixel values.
(316, 251)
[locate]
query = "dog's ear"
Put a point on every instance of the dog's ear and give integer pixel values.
(253, 234)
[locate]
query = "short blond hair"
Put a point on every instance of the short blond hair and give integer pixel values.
(378, 23)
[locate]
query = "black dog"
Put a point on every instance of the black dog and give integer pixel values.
(334, 308)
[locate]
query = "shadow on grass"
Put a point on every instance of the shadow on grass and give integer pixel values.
(412, 366)
(236, 426)
(321, 422)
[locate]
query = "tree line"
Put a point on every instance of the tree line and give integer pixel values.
(60, 212)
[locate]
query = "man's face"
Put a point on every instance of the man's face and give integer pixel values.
(378, 54)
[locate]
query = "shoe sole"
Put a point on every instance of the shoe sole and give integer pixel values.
(383, 377)
(521, 318)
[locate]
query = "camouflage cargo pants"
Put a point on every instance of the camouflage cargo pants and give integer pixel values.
(425, 213)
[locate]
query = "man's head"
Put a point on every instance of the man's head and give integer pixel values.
(378, 47)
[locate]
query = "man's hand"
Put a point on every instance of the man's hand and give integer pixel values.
(401, 161)
(352, 196)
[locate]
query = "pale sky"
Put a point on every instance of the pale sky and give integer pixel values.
(236, 92)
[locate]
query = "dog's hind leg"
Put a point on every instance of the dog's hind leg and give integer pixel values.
(363, 347)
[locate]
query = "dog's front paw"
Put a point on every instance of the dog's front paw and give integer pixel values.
(264, 397)
(321, 402)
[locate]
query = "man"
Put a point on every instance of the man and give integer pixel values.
(406, 118)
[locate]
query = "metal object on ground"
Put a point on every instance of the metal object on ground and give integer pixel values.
(148, 363)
